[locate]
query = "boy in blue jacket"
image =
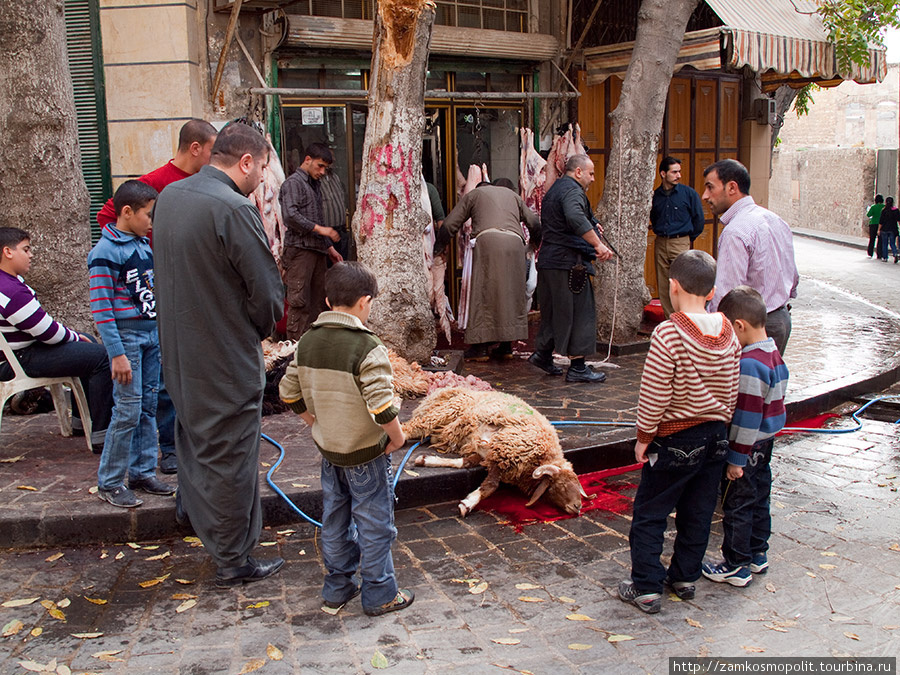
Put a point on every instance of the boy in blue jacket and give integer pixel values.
(124, 309)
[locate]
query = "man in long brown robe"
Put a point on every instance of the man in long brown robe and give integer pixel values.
(219, 294)
(498, 303)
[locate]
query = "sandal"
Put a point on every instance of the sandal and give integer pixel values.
(403, 599)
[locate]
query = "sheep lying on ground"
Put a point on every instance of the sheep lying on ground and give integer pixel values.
(502, 433)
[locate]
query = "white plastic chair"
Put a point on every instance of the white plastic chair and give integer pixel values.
(21, 382)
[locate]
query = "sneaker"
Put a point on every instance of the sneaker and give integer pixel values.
(120, 496)
(686, 590)
(151, 485)
(650, 603)
(402, 600)
(587, 374)
(546, 365)
(760, 563)
(168, 463)
(722, 572)
(335, 606)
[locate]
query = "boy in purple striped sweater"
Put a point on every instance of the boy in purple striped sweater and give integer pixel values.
(759, 415)
(44, 347)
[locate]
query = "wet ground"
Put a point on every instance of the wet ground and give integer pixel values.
(547, 603)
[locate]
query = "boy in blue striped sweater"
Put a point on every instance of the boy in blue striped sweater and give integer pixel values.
(759, 415)
(124, 309)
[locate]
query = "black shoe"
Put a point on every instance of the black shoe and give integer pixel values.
(587, 374)
(168, 464)
(546, 365)
(151, 485)
(254, 570)
(120, 496)
(181, 516)
(337, 605)
(686, 590)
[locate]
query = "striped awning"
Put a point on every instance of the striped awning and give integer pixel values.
(782, 40)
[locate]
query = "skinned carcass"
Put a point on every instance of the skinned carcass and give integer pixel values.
(266, 197)
(502, 433)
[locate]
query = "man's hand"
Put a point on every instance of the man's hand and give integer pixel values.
(602, 252)
(333, 255)
(640, 452)
(120, 368)
(329, 232)
(733, 472)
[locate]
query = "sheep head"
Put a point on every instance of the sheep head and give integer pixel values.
(561, 485)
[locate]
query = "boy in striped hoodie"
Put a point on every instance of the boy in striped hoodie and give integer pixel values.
(124, 309)
(688, 393)
(760, 414)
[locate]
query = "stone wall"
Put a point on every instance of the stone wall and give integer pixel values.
(823, 189)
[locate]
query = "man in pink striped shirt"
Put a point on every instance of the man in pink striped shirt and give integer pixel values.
(756, 248)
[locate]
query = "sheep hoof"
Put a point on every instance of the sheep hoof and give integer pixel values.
(420, 460)
(463, 510)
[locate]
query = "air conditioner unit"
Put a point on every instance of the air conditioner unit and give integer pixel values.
(764, 111)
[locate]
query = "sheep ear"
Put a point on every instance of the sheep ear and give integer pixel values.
(546, 470)
(539, 490)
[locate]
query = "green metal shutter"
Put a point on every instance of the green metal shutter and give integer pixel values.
(86, 70)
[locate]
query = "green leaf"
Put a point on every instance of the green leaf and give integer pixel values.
(379, 660)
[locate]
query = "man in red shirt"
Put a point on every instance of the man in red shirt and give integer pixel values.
(195, 141)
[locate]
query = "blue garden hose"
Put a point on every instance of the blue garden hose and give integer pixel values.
(565, 423)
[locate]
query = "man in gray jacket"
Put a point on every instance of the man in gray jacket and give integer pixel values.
(218, 294)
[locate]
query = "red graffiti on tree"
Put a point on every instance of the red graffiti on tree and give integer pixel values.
(390, 162)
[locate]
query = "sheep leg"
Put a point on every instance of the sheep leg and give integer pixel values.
(485, 490)
(431, 460)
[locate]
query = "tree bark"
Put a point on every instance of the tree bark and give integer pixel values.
(389, 219)
(40, 166)
(784, 97)
(624, 210)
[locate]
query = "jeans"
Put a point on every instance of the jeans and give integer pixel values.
(886, 239)
(358, 530)
(747, 522)
(684, 475)
(165, 420)
(131, 443)
(85, 360)
(873, 238)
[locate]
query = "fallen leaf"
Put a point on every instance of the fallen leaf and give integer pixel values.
(852, 636)
(48, 604)
(65, 602)
(104, 554)
(302, 551)
(567, 600)
(185, 606)
(465, 581)
(12, 627)
(693, 622)
(410, 472)
(12, 460)
(810, 574)
(96, 601)
(153, 582)
(131, 544)
(527, 587)
(185, 582)
(26, 487)
(286, 533)
(57, 614)
(752, 649)
(35, 632)
(21, 602)
(528, 598)
(86, 636)
(111, 659)
(54, 557)
(827, 566)
(274, 653)
(93, 489)
(518, 630)
(160, 556)
(108, 652)
(578, 647)
(183, 596)
(506, 641)
(33, 666)
(63, 669)
(299, 485)
(674, 598)
(890, 627)
(251, 666)
(478, 589)
(268, 543)
(578, 617)
(829, 554)
(894, 547)
(193, 541)
(120, 555)
(770, 587)
(258, 605)
(840, 618)
(619, 638)
(153, 547)
(379, 660)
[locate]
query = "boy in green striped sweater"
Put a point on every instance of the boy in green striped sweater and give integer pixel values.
(340, 383)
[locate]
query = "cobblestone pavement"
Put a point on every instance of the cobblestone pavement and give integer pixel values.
(833, 589)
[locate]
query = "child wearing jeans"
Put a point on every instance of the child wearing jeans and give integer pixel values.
(124, 309)
(340, 383)
(760, 414)
(688, 393)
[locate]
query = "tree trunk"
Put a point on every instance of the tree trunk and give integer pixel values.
(624, 210)
(784, 97)
(389, 219)
(40, 166)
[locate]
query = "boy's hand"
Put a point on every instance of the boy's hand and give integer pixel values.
(120, 369)
(640, 452)
(395, 444)
(733, 472)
